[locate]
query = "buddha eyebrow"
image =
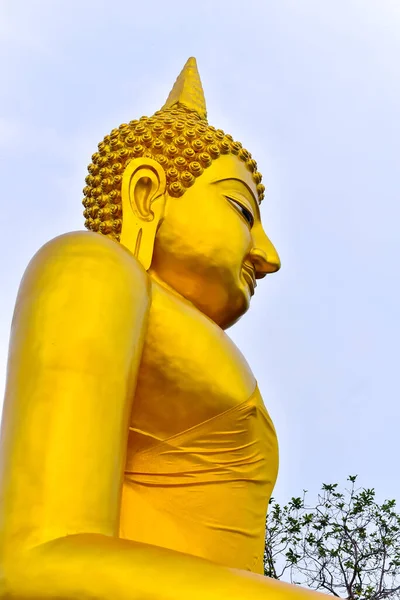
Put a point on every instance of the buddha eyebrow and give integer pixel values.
(243, 184)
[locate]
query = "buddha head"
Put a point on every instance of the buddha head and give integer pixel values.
(184, 197)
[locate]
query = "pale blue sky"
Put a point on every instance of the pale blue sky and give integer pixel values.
(312, 89)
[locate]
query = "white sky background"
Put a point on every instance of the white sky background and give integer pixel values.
(312, 89)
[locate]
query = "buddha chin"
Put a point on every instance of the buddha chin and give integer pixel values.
(223, 304)
(219, 289)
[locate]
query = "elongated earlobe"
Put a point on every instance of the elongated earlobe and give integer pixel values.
(143, 203)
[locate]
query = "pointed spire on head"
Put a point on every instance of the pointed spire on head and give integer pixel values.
(188, 91)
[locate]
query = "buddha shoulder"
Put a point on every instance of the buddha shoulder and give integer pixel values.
(88, 262)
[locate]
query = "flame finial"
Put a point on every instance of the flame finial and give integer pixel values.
(188, 91)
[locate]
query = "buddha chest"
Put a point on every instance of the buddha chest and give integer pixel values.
(189, 367)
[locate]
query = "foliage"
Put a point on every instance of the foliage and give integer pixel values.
(347, 544)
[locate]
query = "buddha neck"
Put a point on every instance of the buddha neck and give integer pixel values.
(167, 287)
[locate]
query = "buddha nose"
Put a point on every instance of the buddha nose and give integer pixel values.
(264, 256)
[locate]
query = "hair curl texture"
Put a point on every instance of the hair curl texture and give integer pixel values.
(183, 144)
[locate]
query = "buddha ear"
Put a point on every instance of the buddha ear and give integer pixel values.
(143, 194)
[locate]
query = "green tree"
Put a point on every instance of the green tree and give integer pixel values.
(347, 544)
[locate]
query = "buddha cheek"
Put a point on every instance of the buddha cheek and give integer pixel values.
(225, 295)
(200, 254)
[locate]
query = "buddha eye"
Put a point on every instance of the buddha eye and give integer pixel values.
(242, 210)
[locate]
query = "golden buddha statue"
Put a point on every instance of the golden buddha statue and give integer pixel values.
(137, 457)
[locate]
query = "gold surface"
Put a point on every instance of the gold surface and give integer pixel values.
(188, 91)
(137, 456)
(178, 137)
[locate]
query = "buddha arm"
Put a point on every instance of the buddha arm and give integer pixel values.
(76, 342)
(90, 566)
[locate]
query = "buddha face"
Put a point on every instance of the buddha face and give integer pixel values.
(211, 246)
